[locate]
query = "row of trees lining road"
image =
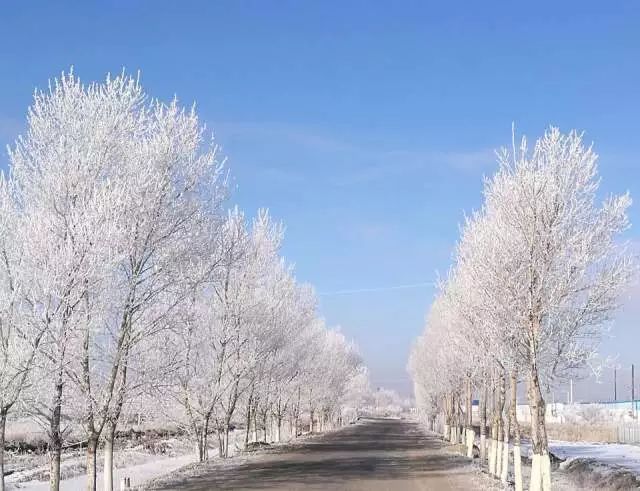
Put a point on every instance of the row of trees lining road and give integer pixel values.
(537, 274)
(123, 279)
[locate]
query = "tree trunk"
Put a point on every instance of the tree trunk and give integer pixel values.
(456, 421)
(92, 450)
(453, 423)
(265, 423)
(199, 444)
(297, 416)
(55, 455)
(112, 422)
(494, 433)
(483, 425)
(220, 432)
(500, 423)
(255, 424)
(517, 459)
(469, 433)
(55, 437)
(447, 419)
(505, 451)
(248, 423)
(205, 438)
(459, 423)
(204, 445)
(226, 441)
(278, 428)
(109, 438)
(3, 425)
(540, 462)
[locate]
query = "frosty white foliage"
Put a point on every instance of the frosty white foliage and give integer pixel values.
(125, 286)
(538, 272)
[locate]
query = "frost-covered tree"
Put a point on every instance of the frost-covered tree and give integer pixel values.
(117, 194)
(538, 273)
(69, 212)
(169, 216)
(20, 336)
(564, 252)
(122, 282)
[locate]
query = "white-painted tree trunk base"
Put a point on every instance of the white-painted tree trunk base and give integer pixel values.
(447, 431)
(489, 456)
(545, 470)
(108, 468)
(498, 457)
(536, 481)
(517, 467)
(492, 456)
(540, 473)
(495, 447)
(483, 448)
(471, 436)
(505, 462)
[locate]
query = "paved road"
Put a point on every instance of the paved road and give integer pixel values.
(374, 455)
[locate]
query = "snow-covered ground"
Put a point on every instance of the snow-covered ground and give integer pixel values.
(610, 454)
(622, 455)
(137, 473)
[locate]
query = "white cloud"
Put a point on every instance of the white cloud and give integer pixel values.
(358, 163)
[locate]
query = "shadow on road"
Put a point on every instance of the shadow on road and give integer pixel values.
(375, 449)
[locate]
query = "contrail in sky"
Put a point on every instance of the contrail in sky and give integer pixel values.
(379, 289)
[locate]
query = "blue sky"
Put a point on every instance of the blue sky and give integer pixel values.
(365, 126)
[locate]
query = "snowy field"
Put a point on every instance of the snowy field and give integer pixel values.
(153, 466)
(598, 460)
(610, 454)
(136, 465)
(138, 474)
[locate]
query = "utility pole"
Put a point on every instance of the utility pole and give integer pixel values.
(615, 385)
